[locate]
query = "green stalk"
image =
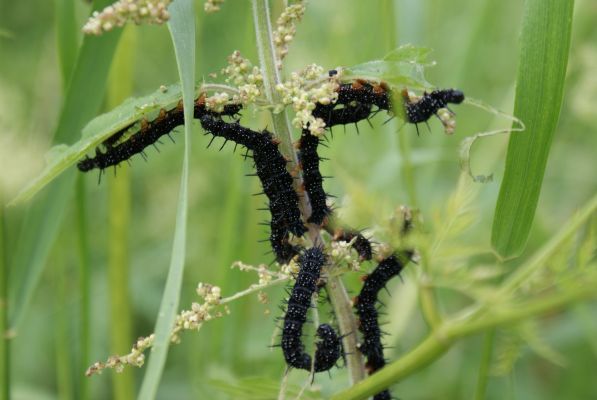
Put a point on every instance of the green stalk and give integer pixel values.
(538, 260)
(119, 204)
(483, 378)
(182, 30)
(67, 44)
(4, 336)
(84, 286)
(283, 131)
(62, 343)
(437, 343)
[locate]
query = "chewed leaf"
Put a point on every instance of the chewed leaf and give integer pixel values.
(402, 67)
(467, 143)
(61, 157)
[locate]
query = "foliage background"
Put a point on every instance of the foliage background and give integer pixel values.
(476, 48)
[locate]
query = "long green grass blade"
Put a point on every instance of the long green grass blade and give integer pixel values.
(82, 100)
(84, 278)
(4, 337)
(66, 36)
(65, 25)
(120, 86)
(545, 42)
(182, 29)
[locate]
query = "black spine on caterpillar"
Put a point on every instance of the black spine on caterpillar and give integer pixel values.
(328, 347)
(313, 181)
(149, 133)
(430, 103)
(366, 309)
(361, 244)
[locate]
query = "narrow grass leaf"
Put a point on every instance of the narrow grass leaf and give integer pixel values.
(66, 36)
(43, 218)
(182, 29)
(120, 86)
(545, 42)
(4, 336)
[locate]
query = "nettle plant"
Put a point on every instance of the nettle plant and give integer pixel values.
(312, 247)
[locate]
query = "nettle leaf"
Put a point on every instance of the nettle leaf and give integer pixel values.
(132, 110)
(255, 388)
(402, 67)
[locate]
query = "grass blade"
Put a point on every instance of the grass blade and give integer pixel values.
(66, 37)
(120, 86)
(4, 336)
(45, 214)
(182, 29)
(545, 42)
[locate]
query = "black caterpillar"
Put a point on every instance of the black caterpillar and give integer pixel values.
(366, 309)
(355, 103)
(277, 183)
(312, 178)
(149, 133)
(429, 104)
(270, 164)
(328, 347)
(361, 243)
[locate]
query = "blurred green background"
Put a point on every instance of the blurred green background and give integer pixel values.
(475, 45)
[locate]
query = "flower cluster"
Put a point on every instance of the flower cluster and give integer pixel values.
(186, 320)
(123, 11)
(306, 88)
(344, 255)
(248, 78)
(135, 358)
(193, 319)
(286, 29)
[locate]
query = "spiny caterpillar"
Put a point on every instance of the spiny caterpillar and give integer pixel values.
(357, 100)
(328, 348)
(361, 244)
(270, 166)
(148, 134)
(309, 161)
(366, 309)
(429, 104)
(354, 104)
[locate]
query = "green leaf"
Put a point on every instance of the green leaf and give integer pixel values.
(402, 67)
(545, 42)
(42, 221)
(257, 388)
(182, 29)
(66, 36)
(129, 113)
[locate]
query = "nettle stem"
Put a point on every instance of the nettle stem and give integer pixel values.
(283, 131)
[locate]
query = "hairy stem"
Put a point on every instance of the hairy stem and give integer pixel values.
(348, 327)
(283, 131)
